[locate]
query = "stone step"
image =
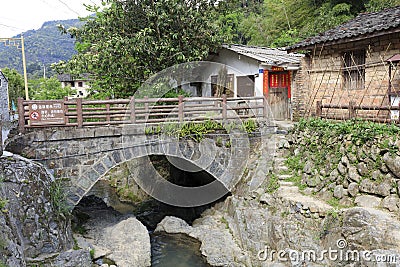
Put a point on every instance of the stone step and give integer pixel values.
(283, 183)
(284, 176)
(281, 168)
(287, 189)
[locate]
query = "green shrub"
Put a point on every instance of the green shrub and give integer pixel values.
(197, 130)
(58, 197)
(273, 184)
(3, 204)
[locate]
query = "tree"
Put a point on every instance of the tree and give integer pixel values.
(46, 89)
(16, 87)
(378, 5)
(280, 23)
(127, 42)
(328, 16)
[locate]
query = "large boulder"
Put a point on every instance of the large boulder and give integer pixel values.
(32, 228)
(129, 243)
(370, 229)
(217, 243)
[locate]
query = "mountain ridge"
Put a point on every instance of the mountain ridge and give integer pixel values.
(43, 47)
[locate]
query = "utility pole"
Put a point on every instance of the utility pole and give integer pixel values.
(24, 66)
(19, 44)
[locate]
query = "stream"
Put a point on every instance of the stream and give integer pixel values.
(167, 250)
(175, 251)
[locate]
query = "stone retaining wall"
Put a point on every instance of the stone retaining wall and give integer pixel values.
(347, 173)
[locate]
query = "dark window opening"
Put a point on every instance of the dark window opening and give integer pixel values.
(245, 86)
(354, 70)
(218, 90)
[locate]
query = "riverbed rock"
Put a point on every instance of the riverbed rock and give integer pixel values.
(129, 243)
(173, 225)
(72, 258)
(217, 244)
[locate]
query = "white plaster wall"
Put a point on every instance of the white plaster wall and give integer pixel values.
(238, 65)
(4, 99)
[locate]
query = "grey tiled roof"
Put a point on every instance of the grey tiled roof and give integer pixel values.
(64, 77)
(271, 56)
(364, 24)
(69, 77)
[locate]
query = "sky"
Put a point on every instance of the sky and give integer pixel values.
(19, 16)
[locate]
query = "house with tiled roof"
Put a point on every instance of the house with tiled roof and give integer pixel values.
(256, 71)
(356, 62)
(80, 84)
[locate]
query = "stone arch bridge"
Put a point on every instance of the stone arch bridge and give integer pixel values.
(84, 155)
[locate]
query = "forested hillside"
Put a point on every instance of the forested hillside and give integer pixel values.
(42, 47)
(279, 23)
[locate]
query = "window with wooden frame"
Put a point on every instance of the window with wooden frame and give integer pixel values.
(216, 86)
(354, 70)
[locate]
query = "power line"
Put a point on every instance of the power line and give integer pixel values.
(62, 2)
(11, 27)
(53, 7)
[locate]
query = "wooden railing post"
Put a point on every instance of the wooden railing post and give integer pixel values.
(224, 107)
(265, 107)
(21, 115)
(132, 109)
(79, 112)
(146, 107)
(319, 109)
(180, 108)
(108, 117)
(352, 112)
(66, 110)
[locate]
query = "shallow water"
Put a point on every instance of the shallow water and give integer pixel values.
(176, 251)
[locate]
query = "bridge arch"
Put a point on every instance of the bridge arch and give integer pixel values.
(84, 155)
(151, 181)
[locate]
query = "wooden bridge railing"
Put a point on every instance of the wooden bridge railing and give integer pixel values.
(352, 113)
(79, 112)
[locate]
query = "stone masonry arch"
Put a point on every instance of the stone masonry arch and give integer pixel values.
(83, 155)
